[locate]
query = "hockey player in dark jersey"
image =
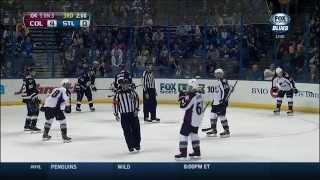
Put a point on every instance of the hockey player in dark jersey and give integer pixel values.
(283, 84)
(85, 86)
(30, 98)
(192, 102)
(219, 105)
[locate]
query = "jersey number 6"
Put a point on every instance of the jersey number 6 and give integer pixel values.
(199, 108)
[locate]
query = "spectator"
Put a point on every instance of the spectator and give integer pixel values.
(213, 52)
(116, 58)
(269, 72)
(27, 47)
(255, 74)
(314, 74)
(211, 67)
(157, 36)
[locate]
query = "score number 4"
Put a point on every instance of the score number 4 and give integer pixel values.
(52, 23)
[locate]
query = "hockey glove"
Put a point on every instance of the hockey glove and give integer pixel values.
(182, 94)
(42, 108)
(295, 90)
(93, 87)
(67, 109)
(77, 87)
(274, 92)
(35, 99)
(223, 103)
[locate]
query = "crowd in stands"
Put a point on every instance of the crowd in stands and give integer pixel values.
(183, 51)
(299, 54)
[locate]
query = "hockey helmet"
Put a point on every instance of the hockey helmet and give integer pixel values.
(218, 73)
(65, 83)
(124, 83)
(148, 66)
(193, 85)
(279, 71)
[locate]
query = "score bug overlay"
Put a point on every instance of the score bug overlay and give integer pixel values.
(56, 19)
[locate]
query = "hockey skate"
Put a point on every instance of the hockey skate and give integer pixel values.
(156, 120)
(66, 139)
(180, 157)
(195, 155)
(46, 137)
(225, 134)
(131, 150)
(212, 133)
(290, 112)
(35, 130)
(206, 129)
(92, 109)
(27, 129)
(137, 149)
(276, 111)
(146, 120)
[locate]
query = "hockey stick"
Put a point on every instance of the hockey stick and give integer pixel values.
(231, 91)
(204, 109)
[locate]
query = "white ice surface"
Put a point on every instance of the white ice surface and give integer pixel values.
(256, 136)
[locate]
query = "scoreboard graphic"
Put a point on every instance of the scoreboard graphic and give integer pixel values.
(56, 19)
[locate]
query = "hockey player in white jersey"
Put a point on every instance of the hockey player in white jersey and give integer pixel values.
(283, 84)
(192, 102)
(54, 106)
(219, 105)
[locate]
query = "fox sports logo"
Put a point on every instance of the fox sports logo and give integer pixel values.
(280, 22)
(280, 19)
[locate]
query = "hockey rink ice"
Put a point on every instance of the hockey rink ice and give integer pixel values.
(256, 136)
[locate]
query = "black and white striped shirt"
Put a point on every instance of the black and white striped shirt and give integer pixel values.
(148, 81)
(125, 101)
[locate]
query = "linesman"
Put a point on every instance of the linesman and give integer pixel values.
(149, 94)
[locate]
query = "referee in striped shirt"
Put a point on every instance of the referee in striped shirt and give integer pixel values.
(126, 102)
(149, 94)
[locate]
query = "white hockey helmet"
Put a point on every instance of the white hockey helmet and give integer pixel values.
(218, 73)
(193, 84)
(65, 83)
(279, 71)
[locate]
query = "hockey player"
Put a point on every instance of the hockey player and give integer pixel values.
(54, 106)
(126, 102)
(192, 102)
(219, 105)
(85, 86)
(283, 84)
(30, 98)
